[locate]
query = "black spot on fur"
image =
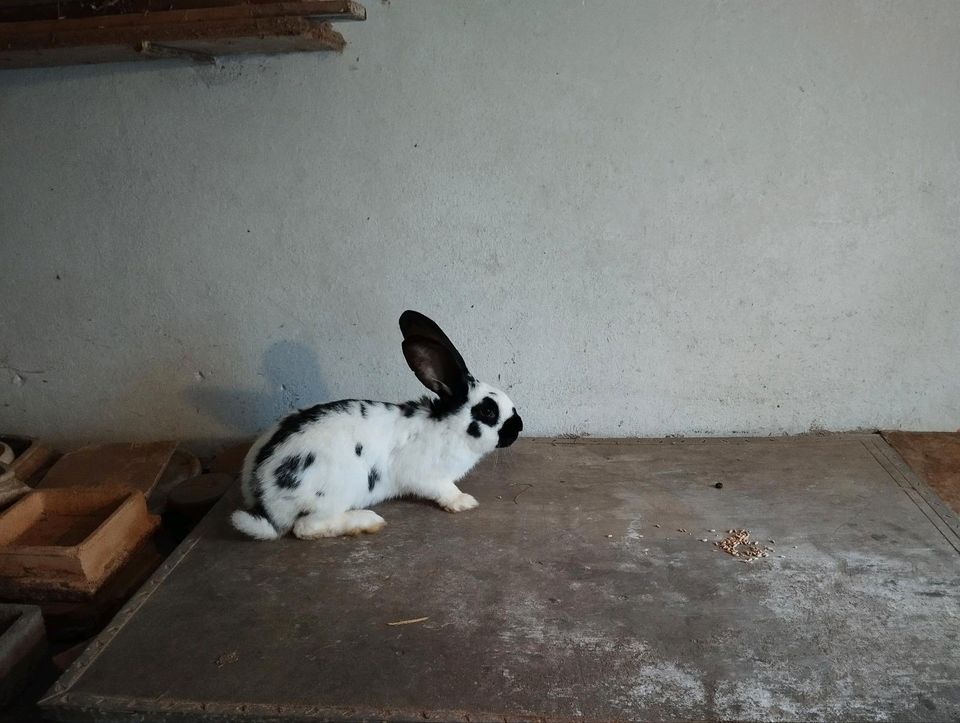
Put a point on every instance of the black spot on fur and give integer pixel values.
(372, 478)
(474, 429)
(486, 411)
(294, 423)
(319, 493)
(510, 430)
(259, 512)
(443, 407)
(434, 407)
(358, 449)
(308, 460)
(287, 473)
(363, 409)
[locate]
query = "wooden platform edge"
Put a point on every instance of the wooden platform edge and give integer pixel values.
(825, 438)
(923, 495)
(60, 703)
(59, 692)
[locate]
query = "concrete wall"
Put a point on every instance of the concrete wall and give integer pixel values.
(645, 218)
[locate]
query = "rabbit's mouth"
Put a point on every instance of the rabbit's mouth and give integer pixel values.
(510, 430)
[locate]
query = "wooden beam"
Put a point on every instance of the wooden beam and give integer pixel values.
(195, 38)
(22, 11)
(171, 51)
(313, 9)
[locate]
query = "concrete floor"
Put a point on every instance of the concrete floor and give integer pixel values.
(571, 593)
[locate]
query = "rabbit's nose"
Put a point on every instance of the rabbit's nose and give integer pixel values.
(510, 430)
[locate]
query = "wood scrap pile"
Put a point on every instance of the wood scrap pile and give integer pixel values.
(51, 32)
(79, 535)
(23, 463)
(82, 531)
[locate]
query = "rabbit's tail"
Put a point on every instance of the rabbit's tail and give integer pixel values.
(256, 523)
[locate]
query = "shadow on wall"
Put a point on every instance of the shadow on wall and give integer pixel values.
(291, 377)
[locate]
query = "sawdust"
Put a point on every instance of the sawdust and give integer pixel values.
(737, 544)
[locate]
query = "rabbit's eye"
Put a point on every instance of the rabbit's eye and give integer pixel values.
(487, 412)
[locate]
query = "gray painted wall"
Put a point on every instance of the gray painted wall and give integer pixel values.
(645, 218)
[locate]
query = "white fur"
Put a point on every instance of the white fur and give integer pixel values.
(416, 455)
(256, 527)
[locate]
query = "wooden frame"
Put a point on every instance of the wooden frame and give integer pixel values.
(196, 30)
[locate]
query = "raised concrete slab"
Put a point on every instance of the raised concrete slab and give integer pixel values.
(569, 594)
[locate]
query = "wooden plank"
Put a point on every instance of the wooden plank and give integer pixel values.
(935, 456)
(137, 466)
(226, 37)
(581, 599)
(72, 620)
(299, 8)
(81, 14)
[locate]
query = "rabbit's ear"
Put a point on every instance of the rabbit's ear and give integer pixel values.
(415, 324)
(436, 367)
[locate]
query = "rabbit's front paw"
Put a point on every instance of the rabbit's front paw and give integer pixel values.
(459, 503)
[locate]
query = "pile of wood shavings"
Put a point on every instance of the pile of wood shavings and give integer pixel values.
(737, 543)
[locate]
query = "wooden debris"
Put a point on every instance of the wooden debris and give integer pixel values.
(6, 455)
(11, 489)
(77, 619)
(64, 543)
(30, 462)
(23, 645)
(409, 622)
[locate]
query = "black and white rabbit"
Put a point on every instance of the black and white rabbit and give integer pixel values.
(318, 470)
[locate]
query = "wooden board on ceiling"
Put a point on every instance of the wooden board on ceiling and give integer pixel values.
(44, 33)
(119, 12)
(195, 40)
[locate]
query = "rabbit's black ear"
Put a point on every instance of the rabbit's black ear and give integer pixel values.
(415, 324)
(436, 367)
